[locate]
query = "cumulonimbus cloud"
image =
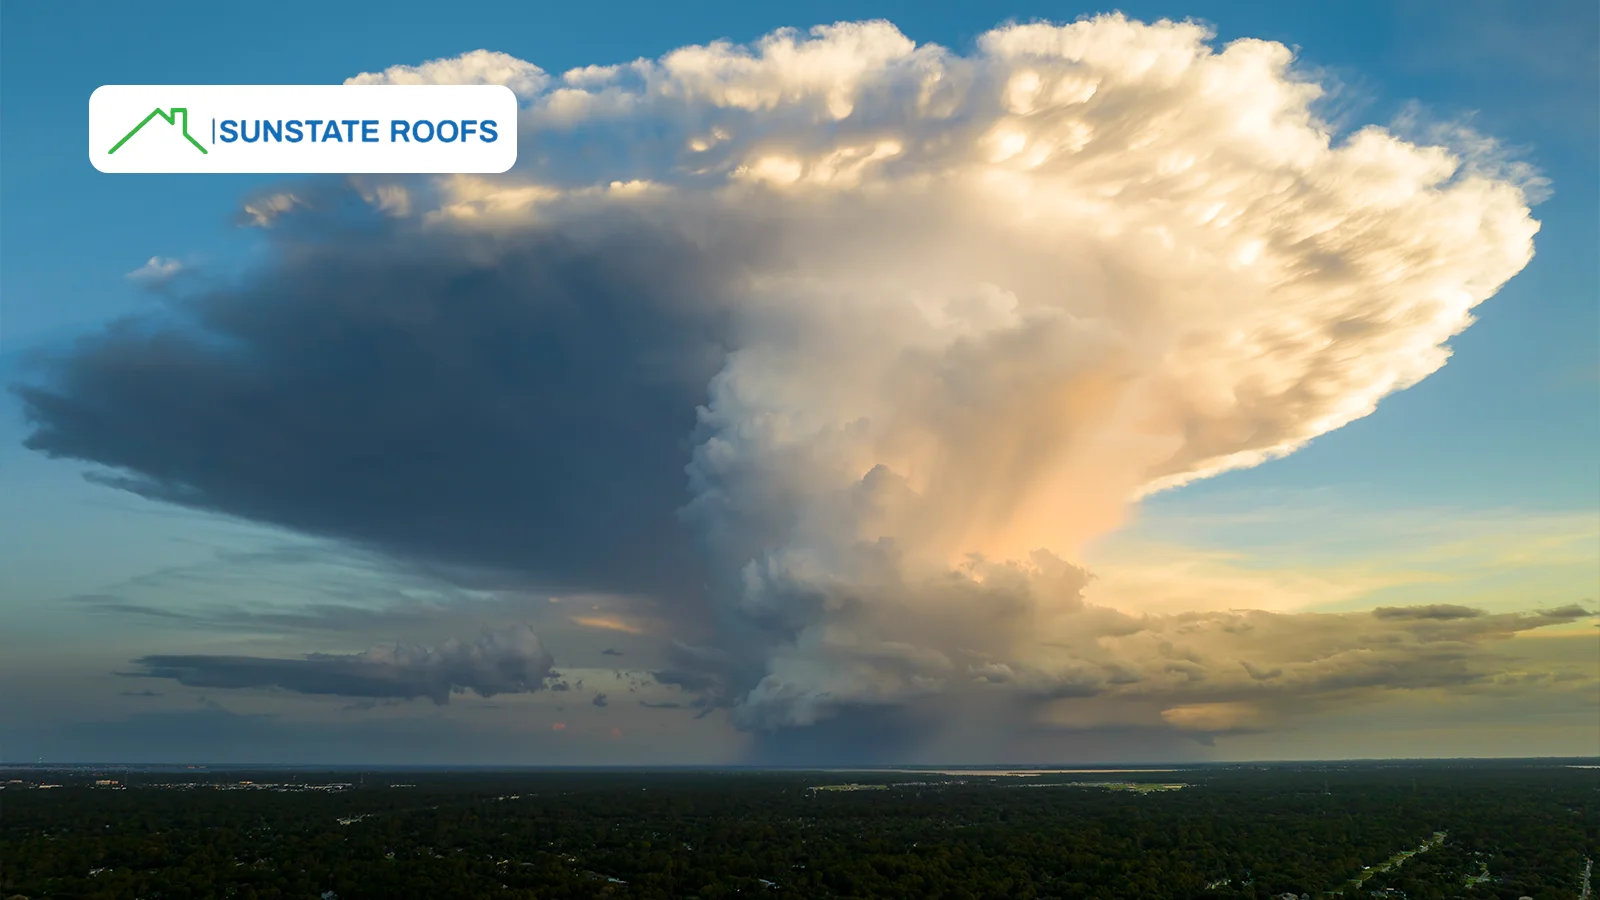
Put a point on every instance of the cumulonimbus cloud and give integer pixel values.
(846, 344)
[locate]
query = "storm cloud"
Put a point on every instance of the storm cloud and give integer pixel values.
(838, 348)
(521, 406)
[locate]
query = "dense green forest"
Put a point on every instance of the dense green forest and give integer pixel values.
(1436, 831)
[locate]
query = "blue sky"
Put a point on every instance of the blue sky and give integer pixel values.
(1497, 449)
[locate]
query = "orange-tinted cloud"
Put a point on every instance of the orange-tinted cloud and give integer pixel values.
(607, 623)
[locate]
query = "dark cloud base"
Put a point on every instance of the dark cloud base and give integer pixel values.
(518, 403)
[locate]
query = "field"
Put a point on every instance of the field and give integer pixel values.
(1421, 831)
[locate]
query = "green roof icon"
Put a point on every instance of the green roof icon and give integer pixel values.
(172, 119)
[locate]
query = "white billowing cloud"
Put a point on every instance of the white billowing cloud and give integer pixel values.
(156, 271)
(988, 301)
(477, 67)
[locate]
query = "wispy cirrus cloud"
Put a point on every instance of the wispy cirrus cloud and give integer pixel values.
(156, 272)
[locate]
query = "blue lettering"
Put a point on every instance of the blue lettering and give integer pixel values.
(294, 131)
